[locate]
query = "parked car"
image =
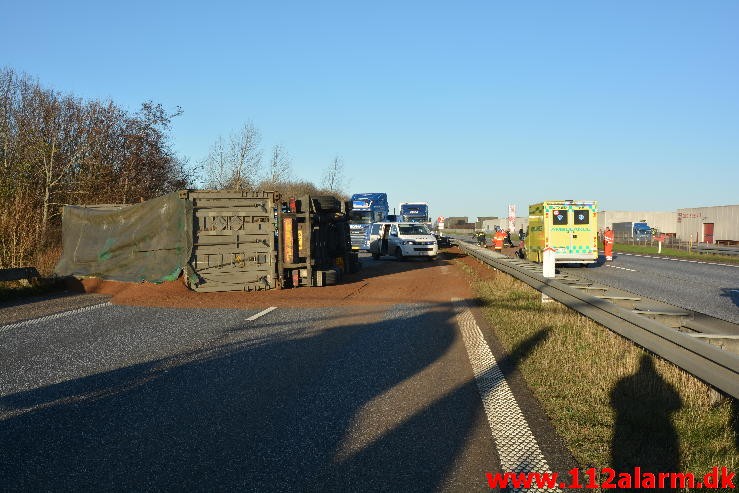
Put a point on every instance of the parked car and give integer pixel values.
(442, 241)
(402, 240)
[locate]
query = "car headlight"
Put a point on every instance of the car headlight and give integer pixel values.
(409, 242)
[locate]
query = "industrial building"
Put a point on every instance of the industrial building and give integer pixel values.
(717, 224)
(488, 225)
(709, 224)
(665, 222)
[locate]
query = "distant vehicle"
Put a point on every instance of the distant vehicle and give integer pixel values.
(367, 208)
(567, 226)
(403, 240)
(639, 231)
(415, 212)
(442, 241)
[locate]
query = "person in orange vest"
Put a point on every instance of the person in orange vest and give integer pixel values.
(498, 240)
(608, 243)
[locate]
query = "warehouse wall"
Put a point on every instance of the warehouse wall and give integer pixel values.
(725, 219)
(665, 222)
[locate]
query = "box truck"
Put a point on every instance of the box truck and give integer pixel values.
(628, 230)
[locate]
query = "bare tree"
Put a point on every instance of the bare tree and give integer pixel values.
(246, 157)
(216, 167)
(334, 179)
(236, 165)
(56, 149)
(280, 168)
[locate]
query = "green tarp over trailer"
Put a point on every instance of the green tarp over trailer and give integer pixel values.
(150, 241)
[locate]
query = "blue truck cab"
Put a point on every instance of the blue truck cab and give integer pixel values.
(642, 231)
(415, 212)
(367, 208)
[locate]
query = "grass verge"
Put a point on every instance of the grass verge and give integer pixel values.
(13, 290)
(614, 404)
(674, 252)
(44, 263)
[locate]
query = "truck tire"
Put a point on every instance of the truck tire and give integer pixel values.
(326, 203)
(399, 254)
(376, 255)
(331, 277)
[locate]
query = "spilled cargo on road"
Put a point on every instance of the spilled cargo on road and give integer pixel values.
(222, 241)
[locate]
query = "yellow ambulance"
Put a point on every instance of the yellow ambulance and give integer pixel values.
(570, 227)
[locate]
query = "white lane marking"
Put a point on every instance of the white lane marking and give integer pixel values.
(517, 447)
(260, 314)
(715, 336)
(622, 268)
(4, 328)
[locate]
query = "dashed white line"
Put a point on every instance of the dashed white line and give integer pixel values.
(260, 314)
(517, 447)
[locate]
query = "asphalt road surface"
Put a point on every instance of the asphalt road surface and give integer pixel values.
(377, 396)
(709, 288)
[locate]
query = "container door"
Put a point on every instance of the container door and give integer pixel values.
(584, 241)
(708, 233)
(560, 237)
(234, 241)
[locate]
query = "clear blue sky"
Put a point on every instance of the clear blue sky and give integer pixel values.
(469, 106)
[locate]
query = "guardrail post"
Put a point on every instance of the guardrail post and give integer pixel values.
(548, 270)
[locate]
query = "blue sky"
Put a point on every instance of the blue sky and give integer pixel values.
(469, 106)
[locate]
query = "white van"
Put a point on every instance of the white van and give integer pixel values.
(402, 240)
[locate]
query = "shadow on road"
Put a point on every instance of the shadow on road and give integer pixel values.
(732, 294)
(389, 265)
(251, 414)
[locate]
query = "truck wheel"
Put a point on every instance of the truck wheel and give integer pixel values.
(399, 254)
(331, 277)
(376, 255)
(326, 203)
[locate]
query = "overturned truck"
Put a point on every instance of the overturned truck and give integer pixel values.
(221, 240)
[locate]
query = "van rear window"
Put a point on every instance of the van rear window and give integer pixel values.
(582, 216)
(559, 216)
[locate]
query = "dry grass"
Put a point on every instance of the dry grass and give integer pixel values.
(586, 376)
(47, 260)
(44, 262)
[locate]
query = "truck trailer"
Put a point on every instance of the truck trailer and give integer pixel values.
(627, 230)
(569, 227)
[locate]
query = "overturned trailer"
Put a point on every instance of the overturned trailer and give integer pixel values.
(222, 240)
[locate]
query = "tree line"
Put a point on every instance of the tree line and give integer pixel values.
(58, 149)
(237, 163)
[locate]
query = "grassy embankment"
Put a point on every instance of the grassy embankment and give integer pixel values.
(611, 401)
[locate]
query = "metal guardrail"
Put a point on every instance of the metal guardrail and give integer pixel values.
(719, 250)
(716, 367)
(18, 273)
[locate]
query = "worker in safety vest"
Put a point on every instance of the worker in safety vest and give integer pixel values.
(498, 240)
(608, 243)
